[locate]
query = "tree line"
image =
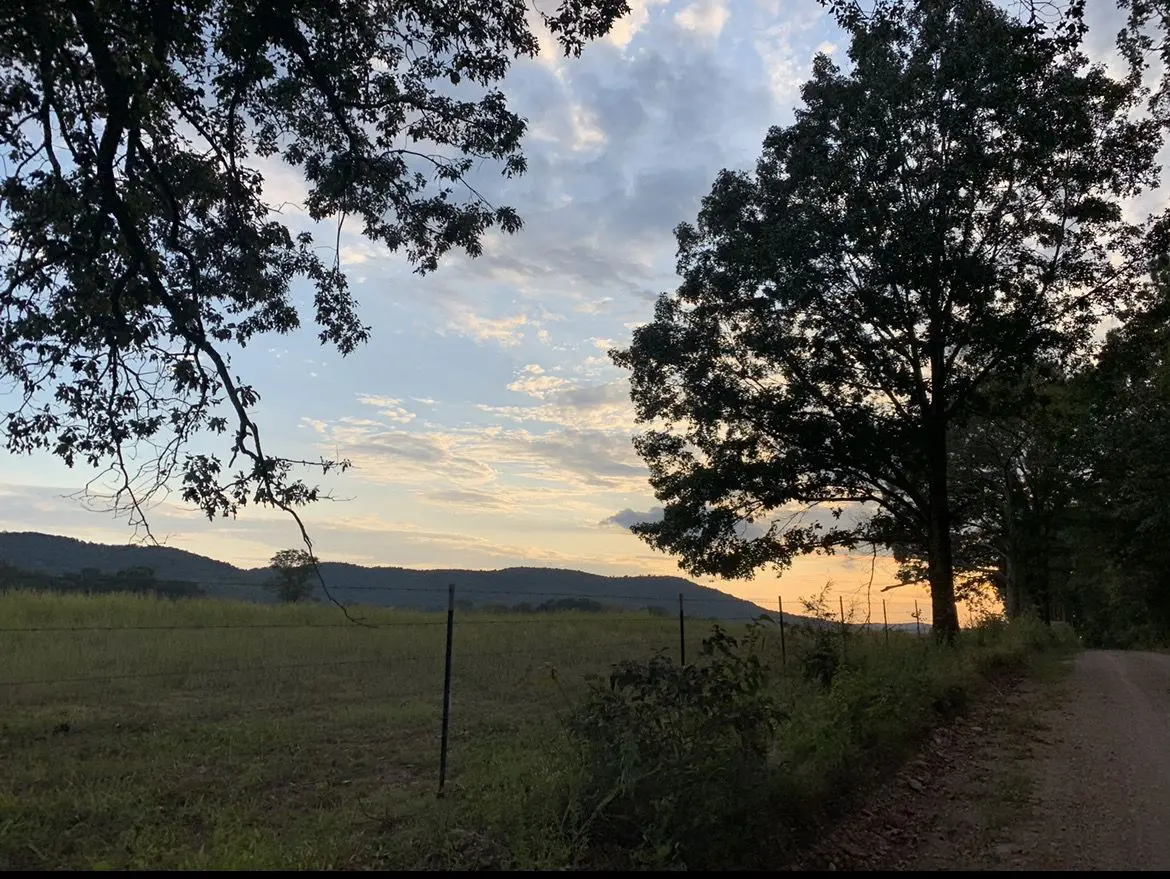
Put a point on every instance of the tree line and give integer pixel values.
(89, 581)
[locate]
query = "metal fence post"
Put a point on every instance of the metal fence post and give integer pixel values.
(447, 688)
(886, 622)
(783, 646)
(682, 632)
(844, 631)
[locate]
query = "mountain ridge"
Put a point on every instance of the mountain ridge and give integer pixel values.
(393, 586)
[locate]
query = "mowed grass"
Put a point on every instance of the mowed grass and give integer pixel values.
(206, 734)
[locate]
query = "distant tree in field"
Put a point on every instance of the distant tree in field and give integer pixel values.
(945, 211)
(139, 246)
(292, 575)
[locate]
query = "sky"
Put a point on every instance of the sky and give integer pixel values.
(485, 422)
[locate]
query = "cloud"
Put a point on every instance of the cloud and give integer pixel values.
(705, 18)
(505, 331)
(597, 306)
(628, 26)
(390, 408)
(628, 518)
(575, 440)
(598, 222)
(597, 457)
(786, 69)
(464, 497)
(821, 515)
(536, 383)
(402, 457)
(534, 427)
(603, 407)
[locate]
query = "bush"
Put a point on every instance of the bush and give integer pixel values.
(822, 658)
(729, 763)
(674, 758)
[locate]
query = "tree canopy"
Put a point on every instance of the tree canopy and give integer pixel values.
(944, 210)
(138, 246)
(292, 575)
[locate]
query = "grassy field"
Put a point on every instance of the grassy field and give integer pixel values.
(201, 734)
(208, 734)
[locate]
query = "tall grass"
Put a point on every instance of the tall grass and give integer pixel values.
(209, 734)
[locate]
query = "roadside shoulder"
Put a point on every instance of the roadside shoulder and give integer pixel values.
(962, 802)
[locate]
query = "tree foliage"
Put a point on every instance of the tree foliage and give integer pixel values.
(1062, 497)
(944, 211)
(1114, 576)
(90, 581)
(140, 245)
(292, 575)
(1018, 470)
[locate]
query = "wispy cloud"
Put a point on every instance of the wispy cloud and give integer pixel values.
(705, 18)
(506, 331)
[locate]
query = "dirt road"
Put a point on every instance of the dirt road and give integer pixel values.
(1102, 784)
(1058, 775)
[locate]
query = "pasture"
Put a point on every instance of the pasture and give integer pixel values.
(146, 733)
(203, 734)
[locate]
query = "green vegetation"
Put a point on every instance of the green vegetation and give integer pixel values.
(247, 736)
(136, 580)
(944, 211)
(293, 571)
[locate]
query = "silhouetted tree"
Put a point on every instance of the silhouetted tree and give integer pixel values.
(945, 211)
(1118, 541)
(292, 575)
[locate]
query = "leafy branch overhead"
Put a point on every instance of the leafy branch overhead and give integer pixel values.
(138, 244)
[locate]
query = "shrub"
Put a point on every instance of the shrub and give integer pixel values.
(822, 658)
(730, 763)
(674, 758)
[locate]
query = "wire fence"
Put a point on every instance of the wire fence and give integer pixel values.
(862, 601)
(431, 676)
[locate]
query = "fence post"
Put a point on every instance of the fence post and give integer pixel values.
(446, 688)
(682, 633)
(783, 647)
(886, 622)
(917, 619)
(840, 602)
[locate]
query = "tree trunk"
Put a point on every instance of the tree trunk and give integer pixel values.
(940, 568)
(1012, 603)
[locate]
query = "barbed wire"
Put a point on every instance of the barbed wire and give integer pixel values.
(512, 595)
(227, 669)
(539, 655)
(542, 620)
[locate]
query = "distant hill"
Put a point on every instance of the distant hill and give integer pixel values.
(381, 586)
(52, 554)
